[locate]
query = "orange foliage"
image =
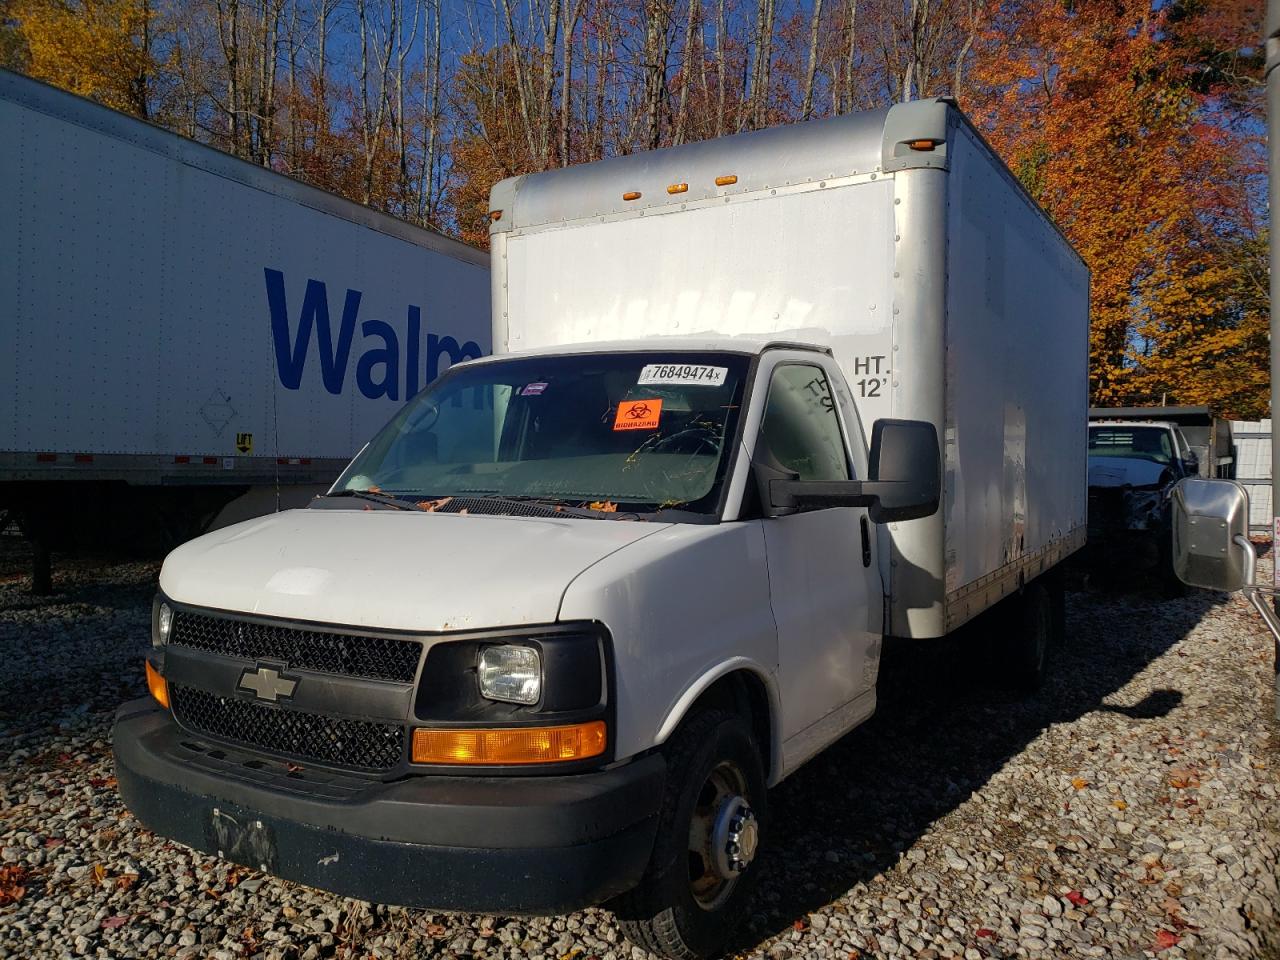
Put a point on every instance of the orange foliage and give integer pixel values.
(1090, 104)
(96, 48)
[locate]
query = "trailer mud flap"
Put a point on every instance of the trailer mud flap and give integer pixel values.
(242, 838)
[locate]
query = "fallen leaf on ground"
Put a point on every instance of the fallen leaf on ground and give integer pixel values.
(1166, 939)
(12, 884)
(112, 922)
(604, 506)
(986, 933)
(1079, 783)
(1077, 898)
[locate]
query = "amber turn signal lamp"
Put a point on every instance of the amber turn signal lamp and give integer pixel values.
(495, 216)
(157, 687)
(728, 181)
(631, 195)
(922, 144)
(678, 188)
(509, 745)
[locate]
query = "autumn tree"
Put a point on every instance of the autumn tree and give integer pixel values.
(97, 48)
(1091, 105)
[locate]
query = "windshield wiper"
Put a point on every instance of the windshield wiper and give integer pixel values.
(383, 498)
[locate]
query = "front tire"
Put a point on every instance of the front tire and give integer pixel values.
(695, 888)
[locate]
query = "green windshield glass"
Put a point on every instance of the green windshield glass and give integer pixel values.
(633, 431)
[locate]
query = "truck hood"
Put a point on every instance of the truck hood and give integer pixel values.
(391, 569)
(1124, 472)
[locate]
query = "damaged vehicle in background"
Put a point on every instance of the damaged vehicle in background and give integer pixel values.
(1133, 468)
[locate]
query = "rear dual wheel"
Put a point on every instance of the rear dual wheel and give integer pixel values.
(695, 889)
(1029, 627)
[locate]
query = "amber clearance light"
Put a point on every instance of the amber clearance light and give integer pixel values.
(509, 744)
(157, 687)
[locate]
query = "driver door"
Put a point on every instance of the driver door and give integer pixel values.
(824, 582)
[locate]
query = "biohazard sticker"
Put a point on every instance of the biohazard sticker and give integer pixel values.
(685, 374)
(638, 415)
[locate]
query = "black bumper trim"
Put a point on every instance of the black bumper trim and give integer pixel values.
(527, 845)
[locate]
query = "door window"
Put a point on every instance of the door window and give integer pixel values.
(801, 426)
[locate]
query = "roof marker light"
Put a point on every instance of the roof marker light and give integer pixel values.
(631, 195)
(495, 216)
(678, 188)
(727, 181)
(922, 144)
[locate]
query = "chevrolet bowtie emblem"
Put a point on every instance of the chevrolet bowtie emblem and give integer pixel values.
(267, 683)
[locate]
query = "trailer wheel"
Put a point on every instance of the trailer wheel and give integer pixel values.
(699, 874)
(1026, 637)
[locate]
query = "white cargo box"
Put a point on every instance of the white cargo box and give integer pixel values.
(943, 291)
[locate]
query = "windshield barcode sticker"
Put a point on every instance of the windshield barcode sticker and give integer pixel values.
(694, 374)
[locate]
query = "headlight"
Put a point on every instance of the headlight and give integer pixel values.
(164, 624)
(510, 673)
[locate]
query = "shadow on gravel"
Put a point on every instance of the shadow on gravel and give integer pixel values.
(941, 732)
(78, 650)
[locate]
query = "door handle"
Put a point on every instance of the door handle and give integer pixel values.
(866, 541)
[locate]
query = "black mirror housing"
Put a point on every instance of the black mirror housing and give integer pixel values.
(904, 483)
(905, 470)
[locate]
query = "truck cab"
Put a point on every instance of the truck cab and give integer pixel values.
(568, 609)
(1134, 466)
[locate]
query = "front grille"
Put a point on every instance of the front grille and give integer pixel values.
(304, 736)
(374, 658)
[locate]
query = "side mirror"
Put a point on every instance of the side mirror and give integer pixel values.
(1191, 463)
(1211, 546)
(905, 480)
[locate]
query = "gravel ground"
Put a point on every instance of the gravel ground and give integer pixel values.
(1130, 809)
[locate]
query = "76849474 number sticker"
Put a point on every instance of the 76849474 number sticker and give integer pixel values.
(682, 374)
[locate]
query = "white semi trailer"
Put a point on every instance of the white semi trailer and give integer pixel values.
(183, 329)
(759, 405)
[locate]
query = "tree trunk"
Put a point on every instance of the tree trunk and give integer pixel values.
(657, 47)
(686, 72)
(572, 16)
(806, 108)
(426, 196)
(851, 55)
(522, 80)
(371, 122)
(550, 41)
(721, 30)
(762, 65)
(229, 41)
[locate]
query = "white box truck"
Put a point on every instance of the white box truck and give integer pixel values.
(183, 328)
(758, 405)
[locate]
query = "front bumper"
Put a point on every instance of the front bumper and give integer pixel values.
(525, 845)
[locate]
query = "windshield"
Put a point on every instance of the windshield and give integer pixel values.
(629, 432)
(1136, 443)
